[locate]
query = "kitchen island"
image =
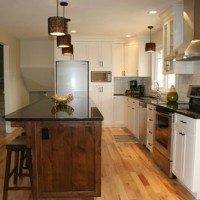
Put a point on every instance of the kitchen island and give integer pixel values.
(65, 142)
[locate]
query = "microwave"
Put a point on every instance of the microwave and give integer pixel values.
(101, 76)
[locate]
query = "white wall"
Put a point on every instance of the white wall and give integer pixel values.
(37, 64)
(16, 95)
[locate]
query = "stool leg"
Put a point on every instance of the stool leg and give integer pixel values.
(7, 172)
(21, 165)
(16, 166)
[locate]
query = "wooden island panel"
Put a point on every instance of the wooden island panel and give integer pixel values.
(69, 161)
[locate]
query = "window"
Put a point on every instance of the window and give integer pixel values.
(165, 80)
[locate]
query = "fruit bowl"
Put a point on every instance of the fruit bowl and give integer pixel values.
(62, 99)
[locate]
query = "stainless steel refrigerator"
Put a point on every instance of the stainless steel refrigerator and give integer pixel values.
(72, 77)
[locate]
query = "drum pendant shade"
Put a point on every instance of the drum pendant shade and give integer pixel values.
(68, 50)
(57, 26)
(150, 46)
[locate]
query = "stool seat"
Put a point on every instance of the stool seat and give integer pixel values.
(18, 146)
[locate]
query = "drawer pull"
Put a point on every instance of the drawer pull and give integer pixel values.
(181, 133)
(183, 122)
(150, 120)
(150, 132)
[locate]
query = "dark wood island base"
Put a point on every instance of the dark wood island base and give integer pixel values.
(66, 156)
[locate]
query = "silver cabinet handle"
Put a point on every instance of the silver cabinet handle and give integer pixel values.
(181, 133)
(183, 122)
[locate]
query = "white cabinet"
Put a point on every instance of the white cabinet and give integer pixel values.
(150, 126)
(118, 59)
(130, 59)
(100, 55)
(131, 115)
(186, 160)
(118, 111)
(172, 33)
(80, 51)
(102, 96)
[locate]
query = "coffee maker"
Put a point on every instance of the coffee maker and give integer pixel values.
(133, 85)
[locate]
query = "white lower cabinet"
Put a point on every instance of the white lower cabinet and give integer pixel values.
(186, 151)
(102, 97)
(131, 115)
(118, 111)
(150, 126)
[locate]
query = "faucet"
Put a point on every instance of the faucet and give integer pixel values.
(155, 84)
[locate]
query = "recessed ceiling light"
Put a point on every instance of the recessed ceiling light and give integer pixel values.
(73, 31)
(128, 35)
(152, 12)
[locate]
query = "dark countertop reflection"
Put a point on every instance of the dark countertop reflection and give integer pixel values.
(80, 109)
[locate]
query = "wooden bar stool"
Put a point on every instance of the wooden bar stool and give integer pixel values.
(18, 146)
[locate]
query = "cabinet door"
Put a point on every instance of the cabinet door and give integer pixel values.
(118, 111)
(100, 55)
(144, 66)
(68, 161)
(168, 41)
(118, 59)
(80, 51)
(106, 54)
(183, 163)
(94, 95)
(134, 118)
(188, 159)
(178, 143)
(93, 54)
(106, 104)
(131, 59)
(102, 96)
(126, 109)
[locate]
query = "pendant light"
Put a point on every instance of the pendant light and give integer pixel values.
(68, 50)
(57, 26)
(64, 41)
(150, 47)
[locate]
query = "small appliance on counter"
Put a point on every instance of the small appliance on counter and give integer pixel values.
(133, 85)
(135, 90)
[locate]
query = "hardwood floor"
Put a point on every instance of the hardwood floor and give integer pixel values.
(128, 172)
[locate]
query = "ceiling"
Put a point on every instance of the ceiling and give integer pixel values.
(27, 19)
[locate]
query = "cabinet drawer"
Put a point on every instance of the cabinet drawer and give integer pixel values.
(185, 122)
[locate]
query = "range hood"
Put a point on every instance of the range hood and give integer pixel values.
(190, 48)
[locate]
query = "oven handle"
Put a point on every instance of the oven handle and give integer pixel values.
(165, 114)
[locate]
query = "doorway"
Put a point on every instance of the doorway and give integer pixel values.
(2, 101)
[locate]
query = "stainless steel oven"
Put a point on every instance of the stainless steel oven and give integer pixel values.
(162, 150)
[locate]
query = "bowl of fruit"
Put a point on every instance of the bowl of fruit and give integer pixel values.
(62, 99)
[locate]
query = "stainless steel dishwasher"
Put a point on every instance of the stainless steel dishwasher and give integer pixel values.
(143, 121)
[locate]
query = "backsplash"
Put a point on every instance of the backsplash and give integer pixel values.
(121, 84)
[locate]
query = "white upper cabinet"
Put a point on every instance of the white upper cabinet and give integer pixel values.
(172, 20)
(100, 55)
(130, 58)
(118, 59)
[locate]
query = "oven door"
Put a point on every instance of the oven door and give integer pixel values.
(163, 133)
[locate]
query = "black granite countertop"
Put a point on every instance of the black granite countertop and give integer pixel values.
(80, 109)
(179, 107)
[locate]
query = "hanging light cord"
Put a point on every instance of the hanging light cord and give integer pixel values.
(57, 8)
